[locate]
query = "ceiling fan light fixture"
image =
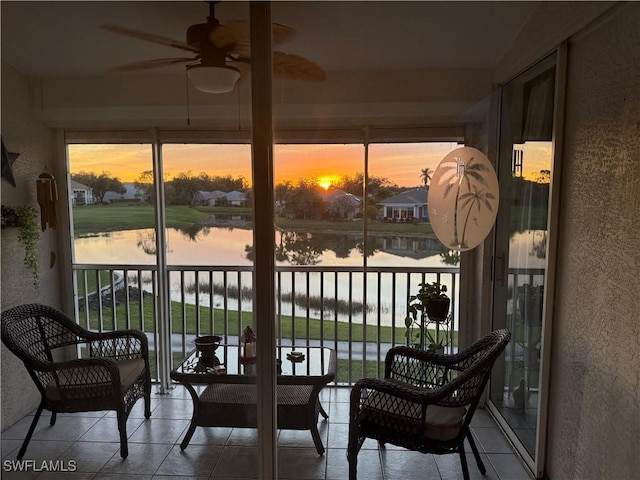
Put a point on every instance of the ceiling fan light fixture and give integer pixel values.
(211, 79)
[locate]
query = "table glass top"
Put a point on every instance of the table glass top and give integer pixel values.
(311, 361)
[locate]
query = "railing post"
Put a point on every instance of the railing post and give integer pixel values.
(163, 348)
(264, 265)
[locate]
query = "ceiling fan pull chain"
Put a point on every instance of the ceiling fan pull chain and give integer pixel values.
(186, 80)
(239, 113)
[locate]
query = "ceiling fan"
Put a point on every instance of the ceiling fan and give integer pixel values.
(221, 53)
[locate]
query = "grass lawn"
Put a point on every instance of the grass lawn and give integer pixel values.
(185, 320)
(105, 279)
(125, 216)
(132, 216)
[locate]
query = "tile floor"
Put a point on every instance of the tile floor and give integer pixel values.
(91, 441)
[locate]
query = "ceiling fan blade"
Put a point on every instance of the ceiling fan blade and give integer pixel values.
(150, 37)
(158, 62)
(282, 33)
(286, 65)
(234, 36)
(296, 67)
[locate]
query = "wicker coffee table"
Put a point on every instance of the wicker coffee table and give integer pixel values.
(229, 400)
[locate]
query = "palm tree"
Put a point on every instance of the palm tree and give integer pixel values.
(457, 172)
(474, 198)
(425, 175)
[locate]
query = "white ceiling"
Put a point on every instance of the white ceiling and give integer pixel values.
(63, 39)
(387, 63)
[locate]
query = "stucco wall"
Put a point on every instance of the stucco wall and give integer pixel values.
(23, 133)
(594, 424)
(549, 25)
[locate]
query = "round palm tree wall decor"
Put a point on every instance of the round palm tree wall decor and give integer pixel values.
(463, 199)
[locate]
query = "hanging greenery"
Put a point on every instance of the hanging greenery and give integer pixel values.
(25, 218)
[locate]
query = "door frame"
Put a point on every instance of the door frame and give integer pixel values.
(536, 463)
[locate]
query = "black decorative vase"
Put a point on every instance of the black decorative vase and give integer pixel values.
(438, 310)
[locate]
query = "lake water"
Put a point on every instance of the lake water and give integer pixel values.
(232, 246)
(220, 246)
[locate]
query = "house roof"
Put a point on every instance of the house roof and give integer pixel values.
(236, 196)
(336, 194)
(79, 186)
(417, 196)
(215, 194)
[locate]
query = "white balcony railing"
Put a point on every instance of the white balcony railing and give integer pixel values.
(360, 313)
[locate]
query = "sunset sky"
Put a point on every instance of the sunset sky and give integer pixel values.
(400, 163)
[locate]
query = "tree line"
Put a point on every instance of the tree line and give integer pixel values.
(302, 199)
(182, 189)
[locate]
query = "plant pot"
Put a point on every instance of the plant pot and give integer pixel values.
(439, 350)
(438, 310)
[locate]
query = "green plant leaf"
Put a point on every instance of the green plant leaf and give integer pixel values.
(28, 236)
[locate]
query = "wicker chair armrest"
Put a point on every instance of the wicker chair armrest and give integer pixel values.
(422, 396)
(119, 344)
(90, 335)
(422, 356)
(457, 361)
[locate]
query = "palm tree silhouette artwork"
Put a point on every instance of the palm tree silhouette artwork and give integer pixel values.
(470, 199)
(458, 173)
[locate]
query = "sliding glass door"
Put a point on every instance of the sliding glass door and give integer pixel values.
(523, 257)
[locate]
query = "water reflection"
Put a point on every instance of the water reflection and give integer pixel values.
(451, 257)
(207, 245)
(539, 241)
(303, 248)
(146, 241)
(201, 244)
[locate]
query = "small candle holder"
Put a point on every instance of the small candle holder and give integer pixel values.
(248, 346)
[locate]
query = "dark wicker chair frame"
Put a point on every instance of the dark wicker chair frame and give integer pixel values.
(394, 410)
(35, 332)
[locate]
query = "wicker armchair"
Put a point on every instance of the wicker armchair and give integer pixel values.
(113, 377)
(426, 401)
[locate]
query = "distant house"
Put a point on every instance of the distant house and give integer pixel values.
(81, 194)
(406, 206)
(203, 197)
(236, 198)
(131, 194)
(340, 204)
(218, 197)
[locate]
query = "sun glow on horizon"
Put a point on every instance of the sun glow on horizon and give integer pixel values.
(327, 181)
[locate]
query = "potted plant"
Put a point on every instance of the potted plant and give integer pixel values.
(25, 218)
(431, 301)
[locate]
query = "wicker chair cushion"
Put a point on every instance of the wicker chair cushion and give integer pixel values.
(130, 370)
(389, 411)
